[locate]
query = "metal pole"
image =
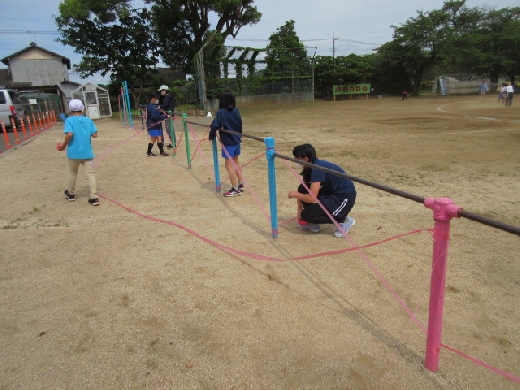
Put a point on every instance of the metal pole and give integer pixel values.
(270, 154)
(130, 121)
(186, 139)
(215, 165)
(172, 133)
(443, 211)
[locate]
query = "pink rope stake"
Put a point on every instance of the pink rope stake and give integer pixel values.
(443, 211)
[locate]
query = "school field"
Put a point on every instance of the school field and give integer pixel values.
(169, 285)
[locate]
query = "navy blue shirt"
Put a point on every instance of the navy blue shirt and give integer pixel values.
(154, 117)
(333, 188)
(168, 104)
(331, 184)
(227, 120)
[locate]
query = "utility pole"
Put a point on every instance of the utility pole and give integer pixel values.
(334, 47)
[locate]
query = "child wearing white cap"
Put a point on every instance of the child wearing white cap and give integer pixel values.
(79, 130)
(167, 105)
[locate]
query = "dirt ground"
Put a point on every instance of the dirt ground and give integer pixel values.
(169, 285)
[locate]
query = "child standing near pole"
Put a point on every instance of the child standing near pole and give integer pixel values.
(167, 106)
(78, 133)
(154, 119)
(228, 118)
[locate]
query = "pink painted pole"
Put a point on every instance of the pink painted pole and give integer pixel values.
(443, 211)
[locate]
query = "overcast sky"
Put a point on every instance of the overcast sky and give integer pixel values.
(358, 25)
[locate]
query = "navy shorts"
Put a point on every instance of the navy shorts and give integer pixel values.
(155, 133)
(233, 150)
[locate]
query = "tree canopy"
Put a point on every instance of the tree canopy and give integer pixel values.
(182, 27)
(115, 38)
(112, 37)
(453, 39)
(285, 54)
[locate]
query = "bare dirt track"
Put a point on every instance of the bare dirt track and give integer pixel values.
(137, 293)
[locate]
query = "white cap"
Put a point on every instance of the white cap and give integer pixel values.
(76, 105)
(164, 87)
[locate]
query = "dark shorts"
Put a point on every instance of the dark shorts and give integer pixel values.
(338, 207)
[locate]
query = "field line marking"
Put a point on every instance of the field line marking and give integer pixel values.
(481, 131)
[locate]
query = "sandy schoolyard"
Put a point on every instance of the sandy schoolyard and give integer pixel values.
(169, 285)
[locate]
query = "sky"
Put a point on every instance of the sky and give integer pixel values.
(347, 26)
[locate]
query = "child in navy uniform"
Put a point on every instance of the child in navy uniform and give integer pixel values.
(228, 118)
(154, 119)
(337, 194)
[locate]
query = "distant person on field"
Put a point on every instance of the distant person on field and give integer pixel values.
(154, 119)
(503, 91)
(228, 118)
(405, 95)
(337, 194)
(509, 97)
(501, 97)
(166, 105)
(79, 130)
(483, 89)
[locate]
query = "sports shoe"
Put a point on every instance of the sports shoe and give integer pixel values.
(346, 227)
(150, 154)
(94, 202)
(232, 192)
(241, 187)
(313, 227)
(164, 154)
(170, 146)
(70, 197)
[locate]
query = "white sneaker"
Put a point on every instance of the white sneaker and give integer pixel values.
(346, 227)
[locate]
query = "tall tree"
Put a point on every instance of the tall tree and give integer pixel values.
(112, 37)
(286, 56)
(420, 42)
(351, 69)
(492, 47)
(454, 39)
(182, 28)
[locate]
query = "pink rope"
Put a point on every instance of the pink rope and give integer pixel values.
(246, 183)
(197, 148)
(505, 374)
(354, 247)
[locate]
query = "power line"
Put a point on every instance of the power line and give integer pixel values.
(314, 40)
(28, 32)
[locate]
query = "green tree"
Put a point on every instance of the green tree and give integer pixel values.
(351, 69)
(490, 47)
(112, 37)
(416, 46)
(182, 28)
(454, 39)
(286, 56)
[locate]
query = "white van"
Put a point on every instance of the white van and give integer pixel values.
(10, 107)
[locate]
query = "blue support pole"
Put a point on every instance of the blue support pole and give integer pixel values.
(215, 164)
(130, 121)
(269, 153)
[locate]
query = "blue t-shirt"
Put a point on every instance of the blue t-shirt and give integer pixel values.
(228, 120)
(80, 146)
